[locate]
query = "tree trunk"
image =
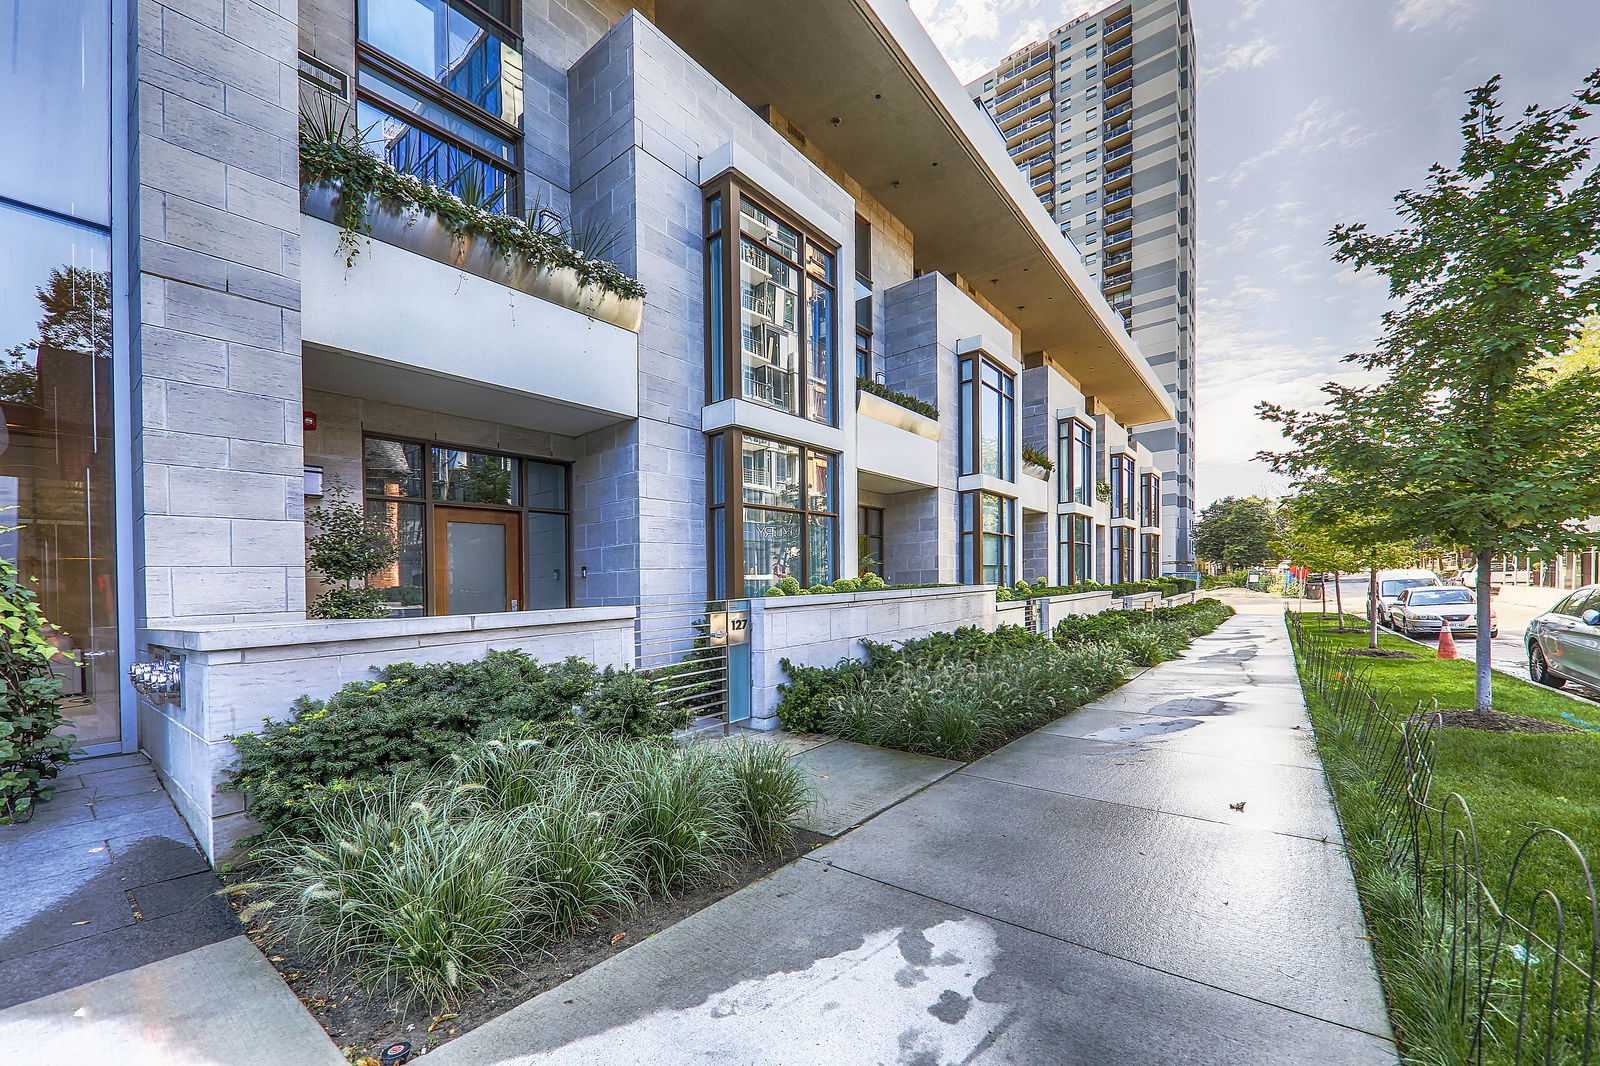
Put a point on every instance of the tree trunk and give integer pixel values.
(1372, 609)
(1483, 687)
(1338, 598)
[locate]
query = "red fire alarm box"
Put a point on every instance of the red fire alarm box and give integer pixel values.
(308, 420)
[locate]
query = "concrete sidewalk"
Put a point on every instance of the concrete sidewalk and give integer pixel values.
(1085, 895)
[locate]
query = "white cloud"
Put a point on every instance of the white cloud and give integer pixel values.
(1317, 128)
(969, 32)
(1434, 14)
(1246, 55)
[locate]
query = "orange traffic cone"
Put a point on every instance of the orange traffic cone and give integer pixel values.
(1447, 643)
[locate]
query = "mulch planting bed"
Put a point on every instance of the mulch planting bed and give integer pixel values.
(358, 1017)
(1493, 721)
(1378, 653)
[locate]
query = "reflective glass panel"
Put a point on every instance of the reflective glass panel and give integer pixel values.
(819, 362)
(547, 561)
(56, 447)
(473, 477)
(476, 567)
(821, 533)
(819, 482)
(446, 45)
(393, 468)
(546, 486)
(413, 150)
(769, 300)
(771, 548)
(403, 582)
(55, 84)
(771, 473)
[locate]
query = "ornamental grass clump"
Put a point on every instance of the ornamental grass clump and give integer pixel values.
(432, 884)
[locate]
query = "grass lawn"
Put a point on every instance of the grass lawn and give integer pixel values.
(1514, 783)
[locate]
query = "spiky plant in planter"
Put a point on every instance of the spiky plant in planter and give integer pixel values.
(347, 548)
(1034, 457)
(32, 753)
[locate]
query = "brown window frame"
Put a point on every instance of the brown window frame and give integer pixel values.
(1149, 555)
(970, 426)
(429, 504)
(728, 511)
(731, 187)
(969, 515)
(1069, 543)
(869, 519)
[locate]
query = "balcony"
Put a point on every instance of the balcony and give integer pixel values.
(896, 448)
(1117, 240)
(1117, 282)
(1117, 260)
(1117, 68)
(1121, 302)
(1028, 127)
(1117, 136)
(424, 318)
(1021, 66)
(1116, 201)
(1113, 112)
(1116, 154)
(1118, 218)
(1114, 177)
(1027, 108)
(1116, 94)
(1019, 150)
(1112, 27)
(1011, 94)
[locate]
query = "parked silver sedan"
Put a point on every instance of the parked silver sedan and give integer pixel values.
(1564, 642)
(1423, 611)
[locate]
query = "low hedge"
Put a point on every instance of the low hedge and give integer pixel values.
(415, 716)
(961, 693)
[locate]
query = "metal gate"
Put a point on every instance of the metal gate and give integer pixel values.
(700, 654)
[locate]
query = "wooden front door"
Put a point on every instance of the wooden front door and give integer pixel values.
(477, 560)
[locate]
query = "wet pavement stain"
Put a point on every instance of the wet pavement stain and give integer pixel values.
(951, 1008)
(1192, 706)
(1144, 730)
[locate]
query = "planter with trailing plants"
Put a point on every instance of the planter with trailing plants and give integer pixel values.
(1036, 463)
(345, 184)
(897, 409)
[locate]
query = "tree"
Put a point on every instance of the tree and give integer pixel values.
(1469, 435)
(348, 547)
(1314, 543)
(1236, 532)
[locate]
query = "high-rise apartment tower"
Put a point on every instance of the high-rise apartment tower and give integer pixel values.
(1100, 118)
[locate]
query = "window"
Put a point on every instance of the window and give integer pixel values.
(863, 298)
(1075, 460)
(783, 521)
(1091, 155)
(1091, 196)
(1076, 560)
(1093, 238)
(988, 419)
(869, 524)
(1121, 555)
(1149, 555)
(1091, 50)
(1091, 258)
(988, 538)
(772, 286)
(479, 531)
(439, 94)
(1150, 500)
(1091, 218)
(1122, 499)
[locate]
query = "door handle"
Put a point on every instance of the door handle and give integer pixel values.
(514, 606)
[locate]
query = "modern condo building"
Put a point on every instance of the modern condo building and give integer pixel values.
(219, 315)
(1099, 117)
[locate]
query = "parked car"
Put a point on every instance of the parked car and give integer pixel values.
(1424, 609)
(1391, 583)
(1564, 642)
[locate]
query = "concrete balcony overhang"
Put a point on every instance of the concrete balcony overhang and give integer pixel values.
(865, 84)
(897, 449)
(400, 327)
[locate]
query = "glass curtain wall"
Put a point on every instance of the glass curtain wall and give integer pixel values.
(57, 489)
(988, 419)
(988, 538)
(1075, 458)
(783, 522)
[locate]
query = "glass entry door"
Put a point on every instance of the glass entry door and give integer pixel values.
(477, 568)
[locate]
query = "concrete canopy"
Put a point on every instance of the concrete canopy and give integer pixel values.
(862, 81)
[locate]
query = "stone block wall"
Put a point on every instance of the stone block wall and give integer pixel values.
(235, 676)
(216, 434)
(821, 630)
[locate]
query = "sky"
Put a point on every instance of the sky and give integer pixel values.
(1309, 113)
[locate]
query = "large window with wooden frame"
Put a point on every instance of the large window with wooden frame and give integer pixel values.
(1121, 554)
(988, 553)
(1149, 555)
(1149, 500)
(771, 305)
(439, 94)
(1122, 491)
(1075, 461)
(479, 531)
(988, 419)
(773, 513)
(1076, 547)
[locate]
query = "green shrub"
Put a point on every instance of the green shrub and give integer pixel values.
(804, 699)
(819, 588)
(847, 584)
(775, 590)
(430, 885)
(872, 583)
(32, 752)
(790, 586)
(413, 716)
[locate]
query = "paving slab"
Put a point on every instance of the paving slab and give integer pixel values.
(819, 967)
(853, 782)
(1221, 736)
(1285, 799)
(223, 1003)
(1261, 914)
